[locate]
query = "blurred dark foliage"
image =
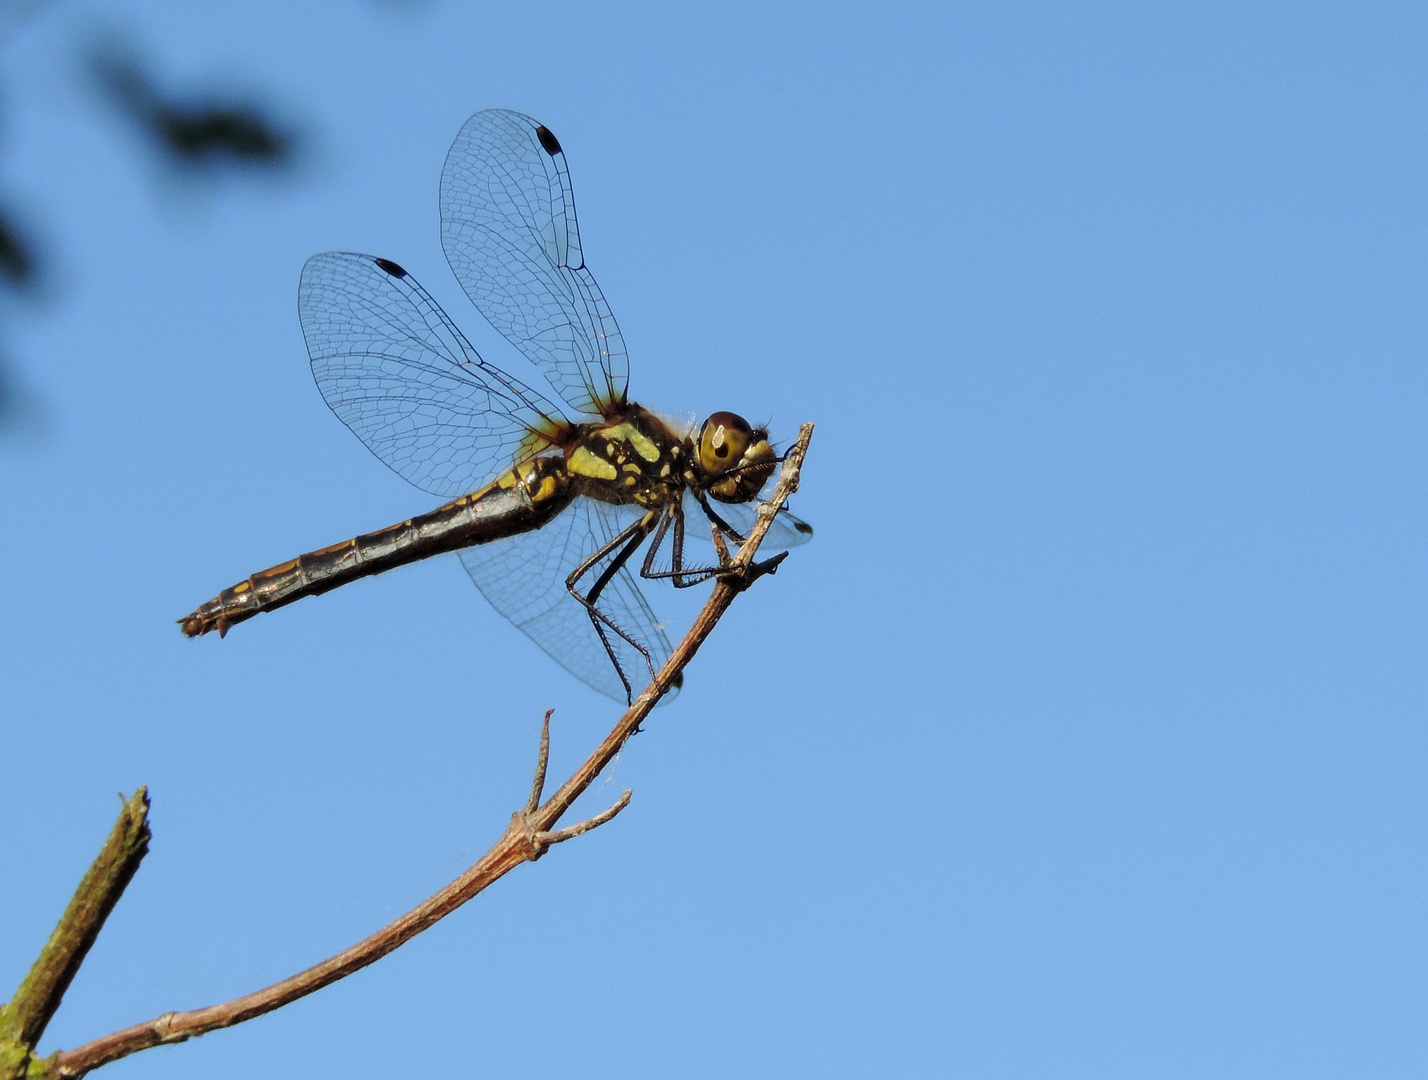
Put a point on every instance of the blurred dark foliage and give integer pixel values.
(196, 130)
(7, 397)
(18, 273)
(17, 256)
(199, 133)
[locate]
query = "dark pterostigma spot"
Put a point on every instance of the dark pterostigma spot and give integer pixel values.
(548, 140)
(390, 267)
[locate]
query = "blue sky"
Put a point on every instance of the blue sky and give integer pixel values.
(1085, 740)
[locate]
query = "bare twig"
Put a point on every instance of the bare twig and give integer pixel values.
(721, 546)
(559, 835)
(542, 761)
(24, 1019)
(531, 832)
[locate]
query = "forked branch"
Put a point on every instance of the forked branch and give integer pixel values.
(532, 831)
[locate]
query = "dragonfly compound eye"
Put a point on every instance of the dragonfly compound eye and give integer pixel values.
(722, 442)
(729, 447)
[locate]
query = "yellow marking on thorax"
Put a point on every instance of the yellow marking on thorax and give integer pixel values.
(642, 443)
(587, 464)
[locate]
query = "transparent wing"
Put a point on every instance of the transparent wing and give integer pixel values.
(524, 576)
(396, 371)
(508, 227)
(787, 531)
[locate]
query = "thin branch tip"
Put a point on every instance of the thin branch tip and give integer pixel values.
(558, 836)
(542, 761)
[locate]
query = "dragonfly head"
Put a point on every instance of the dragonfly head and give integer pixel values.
(735, 456)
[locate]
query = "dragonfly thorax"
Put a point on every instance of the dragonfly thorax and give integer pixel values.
(636, 460)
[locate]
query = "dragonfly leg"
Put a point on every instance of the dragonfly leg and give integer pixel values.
(719, 522)
(624, 545)
(680, 575)
(684, 577)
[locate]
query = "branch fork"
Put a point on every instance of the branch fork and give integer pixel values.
(538, 840)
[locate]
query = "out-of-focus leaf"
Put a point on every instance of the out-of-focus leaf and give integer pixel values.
(196, 130)
(17, 256)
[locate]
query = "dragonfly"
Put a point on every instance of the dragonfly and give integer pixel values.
(551, 498)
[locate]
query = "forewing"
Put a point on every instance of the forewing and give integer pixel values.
(523, 577)
(509, 230)
(396, 371)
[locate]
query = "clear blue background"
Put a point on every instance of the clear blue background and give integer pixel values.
(1086, 740)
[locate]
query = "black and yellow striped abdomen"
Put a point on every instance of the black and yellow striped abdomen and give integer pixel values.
(523, 498)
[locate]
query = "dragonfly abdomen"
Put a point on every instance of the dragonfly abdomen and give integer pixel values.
(521, 499)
